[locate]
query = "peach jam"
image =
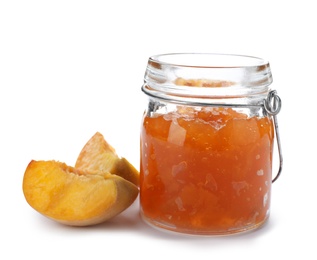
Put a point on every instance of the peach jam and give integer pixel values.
(206, 144)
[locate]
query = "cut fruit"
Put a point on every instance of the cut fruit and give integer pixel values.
(99, 156)
(126, 170)
(75, 197)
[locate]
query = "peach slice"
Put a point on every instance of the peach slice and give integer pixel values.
(97, 155)
(75, 197)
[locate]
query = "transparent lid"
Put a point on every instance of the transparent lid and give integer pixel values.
(207, 77)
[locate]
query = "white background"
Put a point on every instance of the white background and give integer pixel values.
(71, 68)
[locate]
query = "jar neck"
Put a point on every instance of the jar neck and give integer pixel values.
(203, 78)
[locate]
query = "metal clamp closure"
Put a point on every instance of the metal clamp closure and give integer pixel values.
(272, 105)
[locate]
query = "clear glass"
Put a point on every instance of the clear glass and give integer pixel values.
(206, 144)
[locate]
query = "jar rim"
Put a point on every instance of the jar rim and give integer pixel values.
(199, 77)
(208, 60)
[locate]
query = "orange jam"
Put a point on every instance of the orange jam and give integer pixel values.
(206, 170)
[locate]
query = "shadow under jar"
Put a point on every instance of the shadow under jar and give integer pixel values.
(207, 143)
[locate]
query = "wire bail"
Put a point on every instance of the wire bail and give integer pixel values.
(272, 105)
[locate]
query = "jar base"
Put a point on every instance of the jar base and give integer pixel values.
(172, 229)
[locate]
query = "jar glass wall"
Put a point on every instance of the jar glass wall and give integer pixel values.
(206, 144)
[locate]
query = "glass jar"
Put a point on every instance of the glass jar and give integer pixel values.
(207, 143)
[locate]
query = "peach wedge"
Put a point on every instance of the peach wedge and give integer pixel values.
(75, 197)
(97, 155)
